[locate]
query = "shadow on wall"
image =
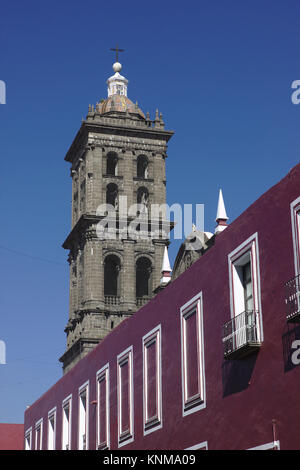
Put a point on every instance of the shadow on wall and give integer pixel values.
(236, 374)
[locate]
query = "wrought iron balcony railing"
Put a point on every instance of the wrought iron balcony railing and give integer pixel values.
(112, 300)
(241, 335)
(292, 299)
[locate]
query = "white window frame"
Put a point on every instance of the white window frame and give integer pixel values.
(67, 402)
(83, 389)
(295, 219)
(248, 250)
(51, 432)
(28, 439)
(103, 374)
(201, 446)
(38, 424)
(275, 445)
(152, 424)
(198, 403)
(126, 355)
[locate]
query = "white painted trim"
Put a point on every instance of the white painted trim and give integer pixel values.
(153, 335)
(28, 433)
(248, 246)
(126, 355)
(51, 413)
(202, 445)
(188, 307)
(38, 424)
(67, 401)
(84, 388)
(104, 371)
(268, 446)
(295, 220)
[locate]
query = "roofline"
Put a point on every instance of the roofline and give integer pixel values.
(111, 128)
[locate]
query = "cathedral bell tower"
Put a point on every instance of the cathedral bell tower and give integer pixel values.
(117, 160)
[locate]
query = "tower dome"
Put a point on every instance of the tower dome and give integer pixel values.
(119, 103)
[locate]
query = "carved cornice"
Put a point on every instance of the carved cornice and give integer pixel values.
(117, 135)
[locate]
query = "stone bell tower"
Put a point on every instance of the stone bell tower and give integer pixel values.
(117, 159)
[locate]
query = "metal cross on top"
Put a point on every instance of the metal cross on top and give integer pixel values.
(117, 52)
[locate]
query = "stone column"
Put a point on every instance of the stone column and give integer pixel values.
(93, 273)
(96, 182)
(159, 179)
(128, 276)
(89, 184)
(128, 174)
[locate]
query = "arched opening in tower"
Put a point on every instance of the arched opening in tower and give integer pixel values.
(112, 164)
(112, 195)
(143, 278)
(142, 167)
(112, 268)
(143, 199)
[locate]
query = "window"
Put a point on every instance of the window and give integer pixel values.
(142, 200)
(295, 217)
(201, 446)
(103, 408)
(39, 435)
(275, 445)
(66, 423)
(112, 195)
(112, 164)
(243, 333)
(83, 417)
(192, 356)
(247, 286)
(292, 286)
(152, 398)
(142, 167)
(143, 279)
(125, 397)
(51, 429)
(28, 439)
(112, 268)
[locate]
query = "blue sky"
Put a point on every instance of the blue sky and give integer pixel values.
(221, 74)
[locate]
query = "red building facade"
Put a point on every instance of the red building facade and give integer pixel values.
(11, 436)
(210, 363)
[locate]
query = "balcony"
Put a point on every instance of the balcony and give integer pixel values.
(241, 335)
(140, 301)
(292, 300)
(112, 300)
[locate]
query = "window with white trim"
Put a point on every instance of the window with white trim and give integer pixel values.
(152, 398)
(66, 423)
(103, 431)
(275, 445)
(83, 415)
(28, 439)
(200, 446)
(192, 356)
(295, 218)
(292, 286)
(51, 429)
(125, 397)
(39, 434)
(244, 330)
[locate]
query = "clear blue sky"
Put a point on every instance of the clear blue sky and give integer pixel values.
(221, 74)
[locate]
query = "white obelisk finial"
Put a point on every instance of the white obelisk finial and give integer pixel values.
(221, 218)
